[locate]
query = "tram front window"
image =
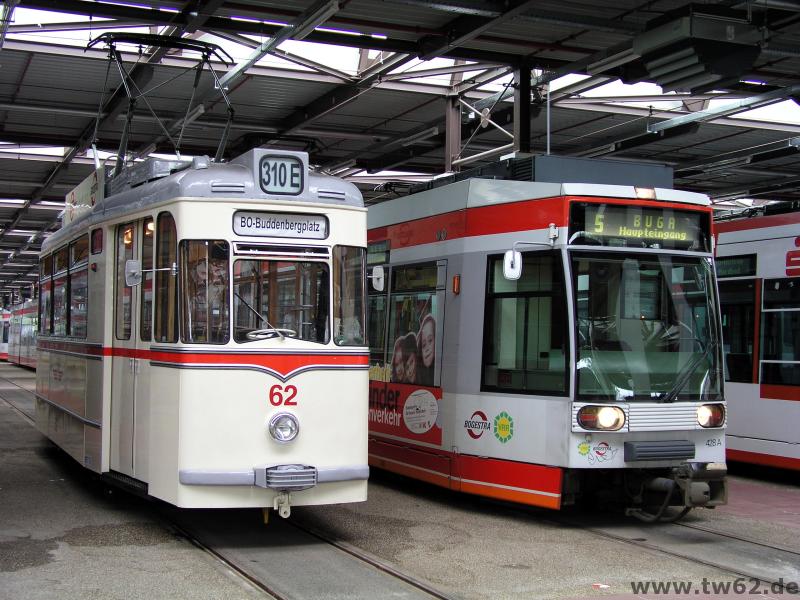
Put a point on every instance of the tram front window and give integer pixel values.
(646, 328)
(273, 298)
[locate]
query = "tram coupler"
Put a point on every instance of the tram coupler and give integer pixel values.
(692, 485)
(282, 505)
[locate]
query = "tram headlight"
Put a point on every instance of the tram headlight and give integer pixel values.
(711, 415)
(601, 418)
(283, 427)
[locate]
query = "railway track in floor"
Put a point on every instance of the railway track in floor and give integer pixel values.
(289, 561)
(271, 557)
(755, 563)
(284, 559)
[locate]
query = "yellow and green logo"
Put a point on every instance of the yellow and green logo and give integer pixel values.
(503, 427)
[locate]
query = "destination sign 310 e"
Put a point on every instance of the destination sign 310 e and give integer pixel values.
(282, 175)
(283, 225)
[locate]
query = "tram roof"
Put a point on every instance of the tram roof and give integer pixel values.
(474, 193)
(411, 60)
(203, 180)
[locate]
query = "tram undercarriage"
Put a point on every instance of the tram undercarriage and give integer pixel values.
(647, 494)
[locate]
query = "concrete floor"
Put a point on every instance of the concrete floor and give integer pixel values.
(62, 536)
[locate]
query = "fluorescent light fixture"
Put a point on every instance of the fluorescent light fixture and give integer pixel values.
(340, 31)
(315, 18)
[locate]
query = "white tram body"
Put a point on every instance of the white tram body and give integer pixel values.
(758, 266)
(589, 373)
(202, 333)
(22, 334)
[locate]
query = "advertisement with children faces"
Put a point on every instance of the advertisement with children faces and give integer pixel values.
(405, 392)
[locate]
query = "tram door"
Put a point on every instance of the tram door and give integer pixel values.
(128, 404)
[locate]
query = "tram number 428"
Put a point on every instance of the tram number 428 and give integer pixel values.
(280, 395)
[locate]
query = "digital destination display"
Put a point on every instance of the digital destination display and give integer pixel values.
(638, 226)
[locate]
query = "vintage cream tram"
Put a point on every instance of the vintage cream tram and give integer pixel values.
(758, 266)
(543, 342)
(201, 332)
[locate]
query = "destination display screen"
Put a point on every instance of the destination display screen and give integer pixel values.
(638, 227)
(736, 266)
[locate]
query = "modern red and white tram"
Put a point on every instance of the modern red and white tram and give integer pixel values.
(758, 267)
(596, 371)
(202, 332)
(5, 330)
(22, 334)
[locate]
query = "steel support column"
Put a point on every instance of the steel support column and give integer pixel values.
(522, 109)
(452, 141)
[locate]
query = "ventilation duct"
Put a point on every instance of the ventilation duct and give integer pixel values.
(695, 49)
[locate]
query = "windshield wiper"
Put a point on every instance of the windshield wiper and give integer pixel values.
(259, 315)
(686, 373)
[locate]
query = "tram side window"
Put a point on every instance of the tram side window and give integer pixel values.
(737, 304)
(525, 327)
(780, 332)
(205, 280)
(166, 284)
(349, 277)
(146, 317)
(377, 254)
(60, 276)
(45, 295)
(124, 294)
(78, 286)
(413, 314)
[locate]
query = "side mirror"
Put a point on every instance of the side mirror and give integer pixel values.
(378, 278)
(133, 273)
(512, 264)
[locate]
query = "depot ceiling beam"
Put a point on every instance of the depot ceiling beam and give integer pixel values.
(726, 110)
(638, 140)
(193, 15)
(298, 29)
(479, 8)
(73, 26)
(282, 54)
(342, 94)
(162, 17)
(468, 27)
(5, 18)
(440, 71)
(732, 193)
(745, 156)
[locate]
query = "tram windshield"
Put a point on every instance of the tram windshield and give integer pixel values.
(646, 328)
(292, 298)
(287, 298)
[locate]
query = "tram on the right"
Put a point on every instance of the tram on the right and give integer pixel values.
(758, 268)
(548, 342)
